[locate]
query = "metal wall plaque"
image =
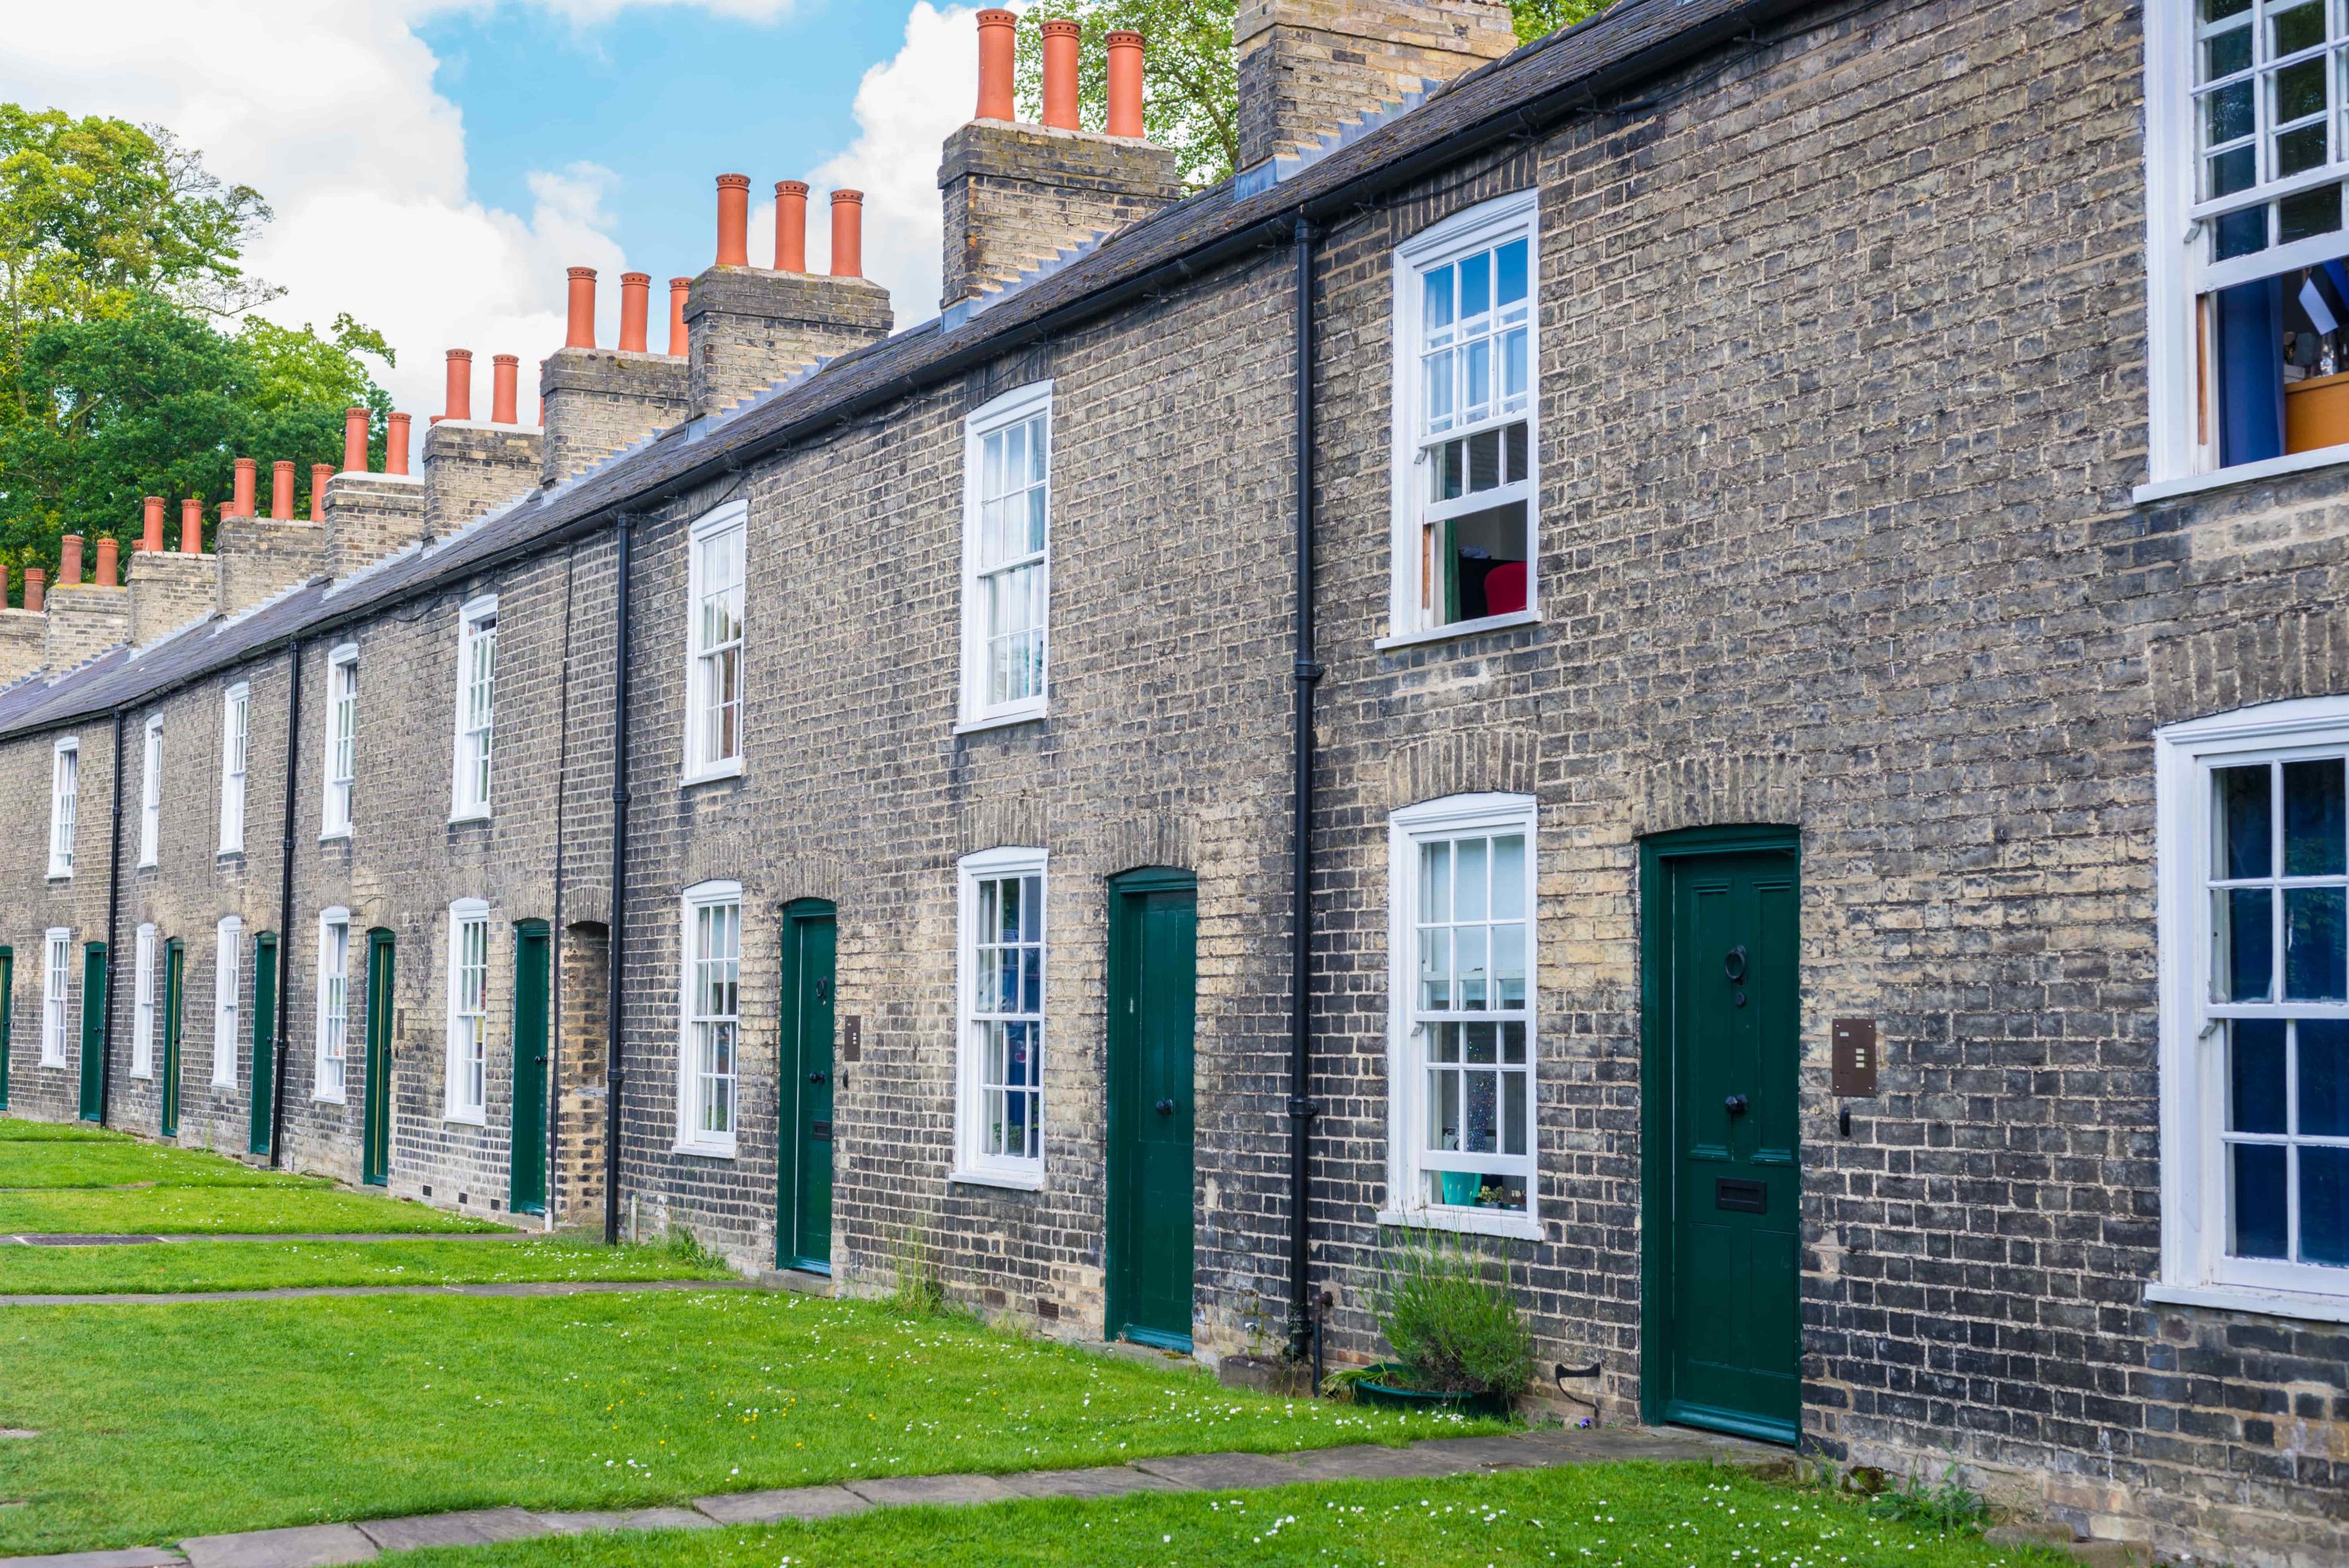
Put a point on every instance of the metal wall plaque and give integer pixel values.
(1855, 1056)
(852, 1036)
(1740, 1197)
(820, 1131)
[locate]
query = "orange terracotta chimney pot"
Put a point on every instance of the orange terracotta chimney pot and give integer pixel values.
(504, 373)
(395, 444)
(677, 289)
(69, 560)
(579, 331)
(281, 490)
(1061, 41)
(790, 225)
(242, 506)
(733, 219)
(635, 292)
(192, 526)
(355, 427)
(998, 39)
(848, 233)
(33, 580)
(319, 474)
(150, 534)
(459, 404)
(1125, 84)
(109, 574)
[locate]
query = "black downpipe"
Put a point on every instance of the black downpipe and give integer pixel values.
(1303, 1337)
(278, 1063)
(113, 907)
(613, 1074)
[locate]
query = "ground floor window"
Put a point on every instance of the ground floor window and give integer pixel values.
(142, 1021)
(1000, 1099)
(467, 1068)
(711, 1015)
(334, 1002)
(227, 974)
(57, 973)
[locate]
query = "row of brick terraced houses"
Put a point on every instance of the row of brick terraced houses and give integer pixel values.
(1709, 652)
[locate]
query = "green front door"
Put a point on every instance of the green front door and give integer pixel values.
(1154, 1005)
(7, 1015)
(174, 968)
(803, 1206)
(265, 1036)
(1722, 960)
(375, 1130)
(526, 1187)
(93, 1032)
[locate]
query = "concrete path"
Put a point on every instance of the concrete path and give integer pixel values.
(326, 1545)
(90, 1239)
(292, 1293)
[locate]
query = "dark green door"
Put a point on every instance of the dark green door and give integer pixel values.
(93, 1032)
(174, 967)
(265, 1036)
(803, 1211)
(375, 1131)
(1154, 1006)
(7, 1016)
(526, 1188)
(1726, 960)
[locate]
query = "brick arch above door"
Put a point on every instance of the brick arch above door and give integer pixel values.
(1717, 790)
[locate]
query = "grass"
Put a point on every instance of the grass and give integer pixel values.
(161, 1422)
(18, 1128)
(265, 1266)
(1635, 1515)
(306, 1209)
(112, 1160)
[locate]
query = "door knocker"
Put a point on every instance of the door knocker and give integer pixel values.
(1735, 964)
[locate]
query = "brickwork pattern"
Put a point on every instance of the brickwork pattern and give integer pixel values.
(260, 558)
(595, 401)
(37, 903)
(168, 591)
(1308, 67)
(471, 467)
(747, 328)
(85, 620)
(371, 516)
(1017, 194)
(23, 642)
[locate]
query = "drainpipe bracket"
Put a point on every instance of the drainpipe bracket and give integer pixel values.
(1304, 1109)
(1307, 670)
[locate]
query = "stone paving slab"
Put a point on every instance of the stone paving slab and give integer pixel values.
(805, 1502)
(1377, 1462)
(304, 1546)
(634, 1518)
(1106, 1481)
(473, 1527)
(296, 1292)
(129, 1557)
(1222, 1472)
(906, 1490)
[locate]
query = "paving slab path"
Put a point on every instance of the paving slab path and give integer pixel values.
(360, 1540)
(290, 1291)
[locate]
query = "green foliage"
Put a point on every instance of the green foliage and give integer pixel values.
(1450, 1314)
(1190, 99)
(1538, 19)
(1951, 1505)
(921, 1289)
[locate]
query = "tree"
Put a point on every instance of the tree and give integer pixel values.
(1192, 105)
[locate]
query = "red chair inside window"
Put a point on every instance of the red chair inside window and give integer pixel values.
(1504, 588)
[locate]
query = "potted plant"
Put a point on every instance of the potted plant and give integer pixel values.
(1460, 1340)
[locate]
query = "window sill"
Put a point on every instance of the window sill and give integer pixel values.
(1460, 629)
(146, 865)
(2302, 1304)
(1013, 1180)
(2241, 474)
(465, 1119)
(317, 1098)
(1004, 720)
(228, 854)
(1520, 1227)
(56, 876)
(136, 1074)
(334, 836)
(461, 819)
(712, 774)
(705, 1151)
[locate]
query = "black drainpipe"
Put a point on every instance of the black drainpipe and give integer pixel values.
(285, 911)
(1301, 1108)
(113, 904)
(613, 1076)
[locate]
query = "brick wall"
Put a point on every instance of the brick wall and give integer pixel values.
(23, 639)
(748, 327)
(261, 557)
(1308, 68)
(369, 516)
(1016, 195)
(168, 591)
(85, 620)
(36, 903)
(595, 401)
(471, 467)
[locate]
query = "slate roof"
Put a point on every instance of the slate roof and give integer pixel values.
(1572, 71)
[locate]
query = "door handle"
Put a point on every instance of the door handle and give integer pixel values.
(818, 1078)
(1734, 1105)
(1164, 1108)
(540, 1060)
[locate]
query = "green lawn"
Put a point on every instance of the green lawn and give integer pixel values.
(305, 1208)
(1637, 1515)
(262, 1265)
(111, 1160)
(18, 1128)
(164, 1421)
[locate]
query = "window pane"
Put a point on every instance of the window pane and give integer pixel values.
(1475, 286)
(2258, 1206)
(2314, 837)
(2324, 1205)
(1509, 877)
(2311, 213)
(2227, 114)
(2255, 1098)
(1434, 970)
(2299, 91)
(1437, 296)
(2242, 944)
(2237, 169)
(1471, 900)
(1512, 1044)
(2245, 830)
(2225, 54)
(2323, 1047)
(1469, 942)
(2220, 10)
(1480, 1114)
(1435, 883)
(2297, 151)
(1511, 259)
(1514, 367)
(2241, 233)
(1513, 1113)
(2301, 28)
(2315, 967)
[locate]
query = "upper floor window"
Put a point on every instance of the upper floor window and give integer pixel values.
(468, 1066)
(477, 703)
(65, 792)
(1462, 1142)
(2253, 822)
(228, 963)
(1006, 568)
(1465, 419)
(334, 1001)
(236, 710)
(713, 735)
(143, 1019)
(151, 793)
(712, 1016)
(342, 739)
(57, 973)
(1000, 1084)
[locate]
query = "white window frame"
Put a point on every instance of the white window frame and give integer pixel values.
(1013, 408)
(151, 793)
(228, 981)
(703, 761)
(143, 1015)
(1479, 228)
(65, 805)
(331, 1082)
(342, 742)
(691, 1137)
(465, 1087)
(2195, 1267)
(236, 757)
(1458, 816)
(973, 1162)
(473, 778)
(57, 994)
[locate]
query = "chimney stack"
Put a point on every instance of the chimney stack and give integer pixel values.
(1061, 41)
(733, 219)
(790, 225)
(395, 444)
(459, 403)
(579, 330)
(678, 288)
(109, 574)
(1306, 67)
(356, 422)
(848, 233)
(281, 490)
(151, 537)
(506, 372)
(998, 47)
(1125, 55)
(34, 578)
(69, 561)
(242, 505)
(320, 474)
(635, 292)
(192, 526)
